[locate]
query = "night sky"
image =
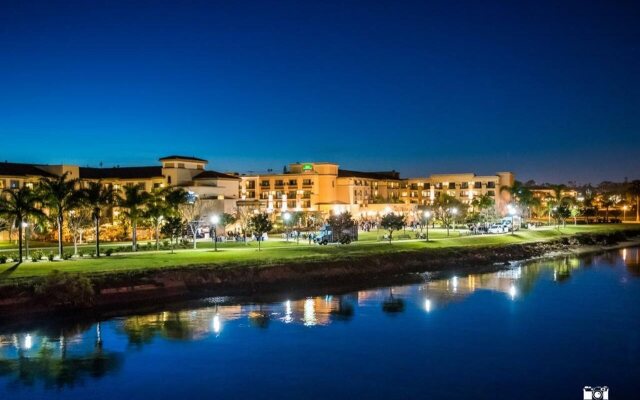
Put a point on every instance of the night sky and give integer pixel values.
(547, 89)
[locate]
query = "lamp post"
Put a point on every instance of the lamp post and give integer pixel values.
(624, 213)
(427, 215)
(286, 218)
(25, 225)
(214, 221)
(512, 212)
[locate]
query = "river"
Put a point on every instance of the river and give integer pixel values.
(542, 329)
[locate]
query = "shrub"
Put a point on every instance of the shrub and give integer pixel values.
(67, 256)
(64, 289)
(3, 259)
(50, 256)
(14, 257)
(108, 252)
(92, 253)
(81, 254)
(36, 256)
(165, 243)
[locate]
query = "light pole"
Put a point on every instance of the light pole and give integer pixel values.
(512, 212)
(286, 218)
(427, 215)
(624, 213)
(214, 221)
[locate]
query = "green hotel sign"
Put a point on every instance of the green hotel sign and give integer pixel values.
(307, 167)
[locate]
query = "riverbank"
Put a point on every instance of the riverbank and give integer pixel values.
(58, 292)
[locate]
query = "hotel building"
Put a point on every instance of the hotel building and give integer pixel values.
(325, 187)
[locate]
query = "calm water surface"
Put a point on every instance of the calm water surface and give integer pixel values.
(543, 330)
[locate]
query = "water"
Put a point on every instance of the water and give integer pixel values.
(543, 330)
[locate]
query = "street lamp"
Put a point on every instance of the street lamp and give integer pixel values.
(215, 220)
(512, 212)
(427, 215)
(286, 217)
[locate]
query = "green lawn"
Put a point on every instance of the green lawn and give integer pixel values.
(276, 251)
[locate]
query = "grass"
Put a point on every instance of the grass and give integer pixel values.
(277, 251)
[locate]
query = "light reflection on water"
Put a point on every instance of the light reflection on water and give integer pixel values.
(75, 359)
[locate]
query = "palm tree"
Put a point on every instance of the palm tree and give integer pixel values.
(607, 202)
(60, 196)
(175, 198)
(634, 190)
(523, 197)
(156, 210)
(18, 205)
(98, 196)
(134, 200)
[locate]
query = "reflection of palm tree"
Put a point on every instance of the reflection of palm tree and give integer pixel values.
(260, 318)
(562, 270)
(344, 311)
(392, 305)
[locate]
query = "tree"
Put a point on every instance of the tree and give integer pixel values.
(78, 221)
(483, 204)
(392, 222)
(97, 197)
(607, 202)
(447, 207)
(227, 219)
(173, 227)
(244, 212)
(174, 199)
(18, 205)
(523, 197)
(575, 213)
(340, 223)
(156, 211)
(134, 200)
(634, 190)
(260, 224)
(59, 196)
(194, 212)
(561, 213)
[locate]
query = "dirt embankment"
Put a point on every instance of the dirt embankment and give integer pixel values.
(126, 290)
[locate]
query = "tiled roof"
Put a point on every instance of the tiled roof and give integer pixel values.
(382, 175)
(15, 169)
(121, 173)
(214, 175)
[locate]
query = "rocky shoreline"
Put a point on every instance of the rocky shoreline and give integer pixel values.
(137, 289)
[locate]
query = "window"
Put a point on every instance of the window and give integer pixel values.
(169, 165)
(491, 185)
(180, 165)
(491, 193)
(293, 182)
(169, 180)
(199, 166)
(477, 185)
(464, 185)
(452, 185)
(13, 184)
(307, 182)
(265, 184)
(157, 185)
(279, 182)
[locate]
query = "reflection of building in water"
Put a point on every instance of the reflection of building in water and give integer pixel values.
(180, 325)
(631, 259)
(314, 310)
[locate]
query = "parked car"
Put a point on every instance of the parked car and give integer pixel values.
(498, 228)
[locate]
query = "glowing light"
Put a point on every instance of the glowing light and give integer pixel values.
(427, 305)
(287, 312)
(427, 214)
(624, 254)
(216, 324)
(215, 219)
(454, 211)
(287, 216)
(387, 210)
(513, 292)
(309, 312)
(28, 342)
(25, 224)
(454, 283)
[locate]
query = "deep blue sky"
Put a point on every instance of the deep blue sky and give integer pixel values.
(548, 89)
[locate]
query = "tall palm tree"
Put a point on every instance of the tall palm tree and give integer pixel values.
(98, 196)
(18, 205)
(634, 190)
(607, 202)
(157, 209)
(175, 198)
(60, 196)
(134, 200)
(522, 196)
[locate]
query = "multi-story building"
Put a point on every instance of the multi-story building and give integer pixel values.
(325, 187)
(219, 189)
(465, 187)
